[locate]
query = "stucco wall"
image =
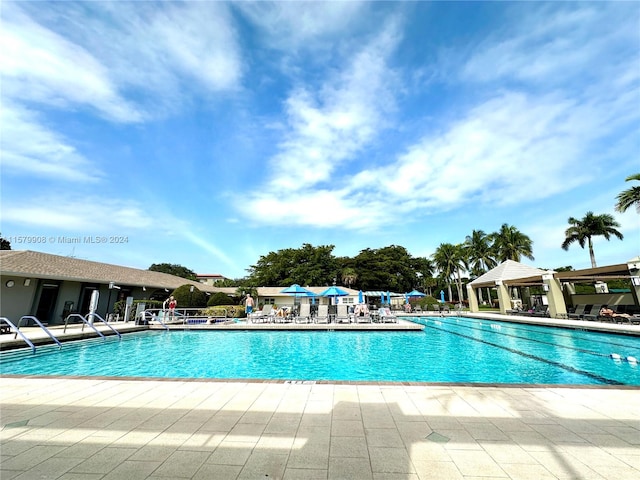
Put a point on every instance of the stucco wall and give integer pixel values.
(16, 301)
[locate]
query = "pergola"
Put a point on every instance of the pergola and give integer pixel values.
(515, 274)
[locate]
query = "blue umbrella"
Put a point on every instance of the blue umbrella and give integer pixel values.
(360, 297)
(415, 293)
(388, 297)
(442, 296)
(382, 298)
(334, 292)
(297, 290)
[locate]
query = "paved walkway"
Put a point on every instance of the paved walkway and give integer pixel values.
(94, 428)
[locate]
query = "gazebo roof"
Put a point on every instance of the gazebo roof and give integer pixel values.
(506, 272)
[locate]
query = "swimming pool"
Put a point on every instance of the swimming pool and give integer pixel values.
(450, 349)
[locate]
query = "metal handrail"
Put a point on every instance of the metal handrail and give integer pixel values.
(46, 330)
(154, 317)
(18, 332)
(84, 322)
(105, 322)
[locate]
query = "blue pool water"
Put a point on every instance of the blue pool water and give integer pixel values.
(449, 350)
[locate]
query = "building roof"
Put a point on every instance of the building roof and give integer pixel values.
(508, 270)
(27, 263)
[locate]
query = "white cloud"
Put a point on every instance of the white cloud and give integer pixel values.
(40, 65)
(30, 148)
(301, 25)
(129, 61)
(512, 146)
(326, 130)
(83, 215)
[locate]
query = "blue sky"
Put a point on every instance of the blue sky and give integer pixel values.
(208, 134)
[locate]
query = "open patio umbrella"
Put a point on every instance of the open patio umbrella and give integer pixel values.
(415, 293)
(334, 292)
(298, 291)
(360, 297)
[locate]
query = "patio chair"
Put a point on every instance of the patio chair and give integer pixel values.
(418, 309)
(386, 316)
(361, 314)
(578, 313)
(342, 314)
(263, 315)
(304, 315)
(323, 314)
(593, 314)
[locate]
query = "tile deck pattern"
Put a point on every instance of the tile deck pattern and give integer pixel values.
(106, 429)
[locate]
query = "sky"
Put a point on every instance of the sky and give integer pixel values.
(208, 134)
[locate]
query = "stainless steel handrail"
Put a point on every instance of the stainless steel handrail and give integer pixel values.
(105, 322)
(18, 332)
(84, 322)
(46, 330)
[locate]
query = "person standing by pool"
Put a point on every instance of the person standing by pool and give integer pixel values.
(248, 305)
(169, 306)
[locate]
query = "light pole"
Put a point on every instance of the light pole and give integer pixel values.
(191, 296)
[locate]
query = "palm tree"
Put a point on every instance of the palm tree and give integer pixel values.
(479, 254)
(629, 197)
(449, 260)
(511, 244)
(349, 276)
(591, 225)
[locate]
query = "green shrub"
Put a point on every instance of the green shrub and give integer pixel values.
(188, 299)
(218, 298)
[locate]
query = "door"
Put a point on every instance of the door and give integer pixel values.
(47, 303)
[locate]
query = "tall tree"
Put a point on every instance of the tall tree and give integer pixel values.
(349, 276)
(450, 260)
(307, 265)
(4, 243)
(480, 254)
(509, 243)
(591, 225)
(629, 197)
(173, 269)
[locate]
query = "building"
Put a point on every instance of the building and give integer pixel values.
(50, 287)
(209, 278)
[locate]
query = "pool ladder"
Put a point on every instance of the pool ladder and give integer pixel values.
(16, 328)
(90, 324)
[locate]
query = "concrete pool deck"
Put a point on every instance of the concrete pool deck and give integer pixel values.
(113, 429)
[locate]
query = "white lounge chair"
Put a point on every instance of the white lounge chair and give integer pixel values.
(361, 314)
(304, 316)
(263, 315)
(323, 314)
(342, 315)
(386, 316)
